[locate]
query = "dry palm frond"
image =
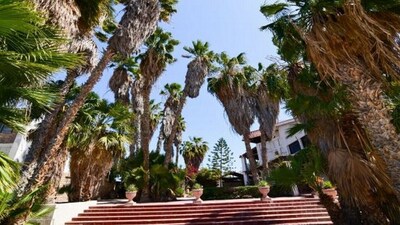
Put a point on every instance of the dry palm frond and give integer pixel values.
(195, 76)
(87, 47)
(64, 14)
(151, 66)
(141, 15)
(352, 36)
(120, 84)
(267, 110)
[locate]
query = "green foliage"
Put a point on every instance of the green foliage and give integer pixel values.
(327, 185)
(163, 181)
(197, 186)
(163, 43)
(13, 206)
(221, 157)
(9, 173)
(29, 54)
(131, 188)
(167, 9)
(208, 177)
(193, 153)
(215, 193)
(305, 167)
(263, 183)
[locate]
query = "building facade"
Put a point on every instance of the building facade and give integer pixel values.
(15, 145)
(280, 145)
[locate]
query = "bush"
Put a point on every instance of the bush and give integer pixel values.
(214, 193)
(210, 193)
(207, 177)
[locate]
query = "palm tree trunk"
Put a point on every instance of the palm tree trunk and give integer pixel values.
(368, 102)
(41, 137)
(145, 141)
(137, 106)
(169, 143)
(264, 156)
(250, 156)
(58, 168)
(160, 139)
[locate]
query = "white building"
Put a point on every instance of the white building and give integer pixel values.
(280, 145)
(15, 145)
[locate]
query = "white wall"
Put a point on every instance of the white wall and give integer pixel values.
(280, 143)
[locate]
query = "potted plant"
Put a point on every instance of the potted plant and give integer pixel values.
(328, 189)
(264, 188)
(197, 191)
(130, 193)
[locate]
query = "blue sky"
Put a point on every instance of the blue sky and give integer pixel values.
(228, 25)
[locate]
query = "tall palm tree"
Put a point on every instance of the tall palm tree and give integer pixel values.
(77, 20)
(354, 43)
(97, 138)
(198, 69)
(266, 91)
(138, 22)
(193, 153)
(173, 93)
(326, 116)
(153, 62)
(231, 89)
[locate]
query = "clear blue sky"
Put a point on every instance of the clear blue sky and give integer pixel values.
(228, 25)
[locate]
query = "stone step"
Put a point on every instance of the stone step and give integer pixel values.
(233, 221)
(215, 203)
(144, 207)
(204, 216)
(221, 210)
(288, 211)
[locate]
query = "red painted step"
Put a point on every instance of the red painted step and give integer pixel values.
(294, 211)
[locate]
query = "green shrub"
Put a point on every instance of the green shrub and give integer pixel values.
(197, 186)
(214, 193)
(179, 192)
(327, 185)
(263, 183)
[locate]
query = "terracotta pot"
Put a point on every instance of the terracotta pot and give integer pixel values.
(197, 194)
(130, 195)
(264, 192)
(331, 192)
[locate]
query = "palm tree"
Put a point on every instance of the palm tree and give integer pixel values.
(96, 140)
(266, 91)
(29, 55)
(198, 69)
(193, 153)
(138, 22)
(173, 92)
(366, 61)
(330, 124)
(231, 89)
(160, 45)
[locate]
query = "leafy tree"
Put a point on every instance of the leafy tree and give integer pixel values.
(193, 153)
(221, 158)
(96, 140)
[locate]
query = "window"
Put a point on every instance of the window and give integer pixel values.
(306, 142)
(4, 129)
(294, 147)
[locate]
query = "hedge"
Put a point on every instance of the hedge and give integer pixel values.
(211, 193)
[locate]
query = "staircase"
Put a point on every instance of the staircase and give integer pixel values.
(289, 211)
